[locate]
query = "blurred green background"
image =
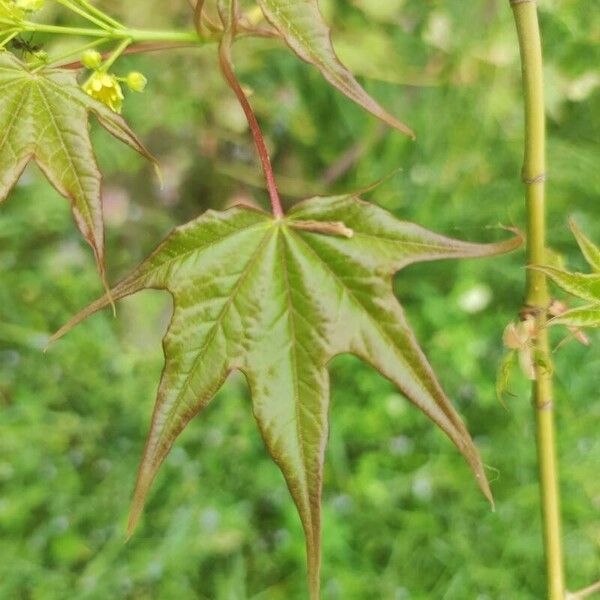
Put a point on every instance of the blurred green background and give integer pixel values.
(402, 517)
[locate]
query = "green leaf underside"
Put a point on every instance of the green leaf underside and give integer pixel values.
(278, 302)
(302, 26)
(44, 116)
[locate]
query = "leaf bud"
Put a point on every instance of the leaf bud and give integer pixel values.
(91, 59)
(136, 81)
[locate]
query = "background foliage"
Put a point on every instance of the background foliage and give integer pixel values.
(402, 519)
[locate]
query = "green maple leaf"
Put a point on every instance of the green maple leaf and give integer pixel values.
(585, 286)
(302, 27)
(44, 117)
(277, 299)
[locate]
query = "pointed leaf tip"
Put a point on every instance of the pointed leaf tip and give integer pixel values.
(103, 302)
(302, 27)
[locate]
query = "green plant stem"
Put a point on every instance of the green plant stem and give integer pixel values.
(136, 35)
(92, 10)
(56, 60)
(11, 35)
(82, 13)
(77, 51)
(141, 48)
(108, 63)
(537, 298)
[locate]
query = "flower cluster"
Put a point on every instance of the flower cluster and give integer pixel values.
(106, 87)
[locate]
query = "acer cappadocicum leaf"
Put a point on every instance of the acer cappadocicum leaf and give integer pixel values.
(301, 25)
(585, 286)
(277, 299)
(44, 117)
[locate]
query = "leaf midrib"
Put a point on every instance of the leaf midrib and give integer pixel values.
(82, 194)
(168, 263)
(292, 332)
(218, 321)
(356, 300)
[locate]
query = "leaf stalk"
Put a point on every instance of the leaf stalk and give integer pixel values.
(259, 141)
(83, 13)
(92, 10)
(536, 297)
(136, 35)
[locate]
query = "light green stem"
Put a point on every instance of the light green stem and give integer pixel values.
(91, 9)
(73, 52)
(135, 35)
(11, 35)
(82, 13)
(108, 63)
(537, 298)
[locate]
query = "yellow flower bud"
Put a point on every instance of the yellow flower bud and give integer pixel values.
(106, 88)
(136, 82)
(91, 59)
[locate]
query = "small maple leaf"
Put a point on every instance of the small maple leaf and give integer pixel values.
(44, 117)
(277, 299)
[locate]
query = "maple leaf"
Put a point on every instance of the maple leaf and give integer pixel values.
(302, 27)
(277, 299)
(44, 117)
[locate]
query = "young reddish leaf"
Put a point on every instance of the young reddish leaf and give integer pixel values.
(44, 116)
(302, 26)
(277, 301)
